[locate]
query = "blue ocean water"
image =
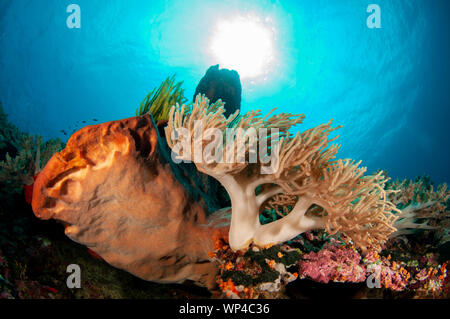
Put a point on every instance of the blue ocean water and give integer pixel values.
(388, 87)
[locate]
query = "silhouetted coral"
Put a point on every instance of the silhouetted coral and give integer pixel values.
(221, 84)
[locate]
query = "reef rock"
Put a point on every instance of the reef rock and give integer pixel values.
(114, 189)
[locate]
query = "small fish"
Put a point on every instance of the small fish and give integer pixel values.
(83, 121)
(64, 132)
(95, 120)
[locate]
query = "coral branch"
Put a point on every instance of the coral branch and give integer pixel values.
(421, 207)
(261, 198)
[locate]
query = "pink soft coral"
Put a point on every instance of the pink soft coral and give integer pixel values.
(336, 263)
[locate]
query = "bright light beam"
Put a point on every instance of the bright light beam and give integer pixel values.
(244, 44)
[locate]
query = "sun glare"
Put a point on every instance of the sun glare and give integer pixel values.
(244, 44)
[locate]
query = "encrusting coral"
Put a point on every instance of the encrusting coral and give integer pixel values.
(335, 263)
(352, 204)
(269, 272)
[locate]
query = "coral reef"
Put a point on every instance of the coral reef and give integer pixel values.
(22, 157)
(272, 272)
(32, 155)
(353, 204)
(115, 192)
(256, 273)
(115, 189)
(400, 275)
